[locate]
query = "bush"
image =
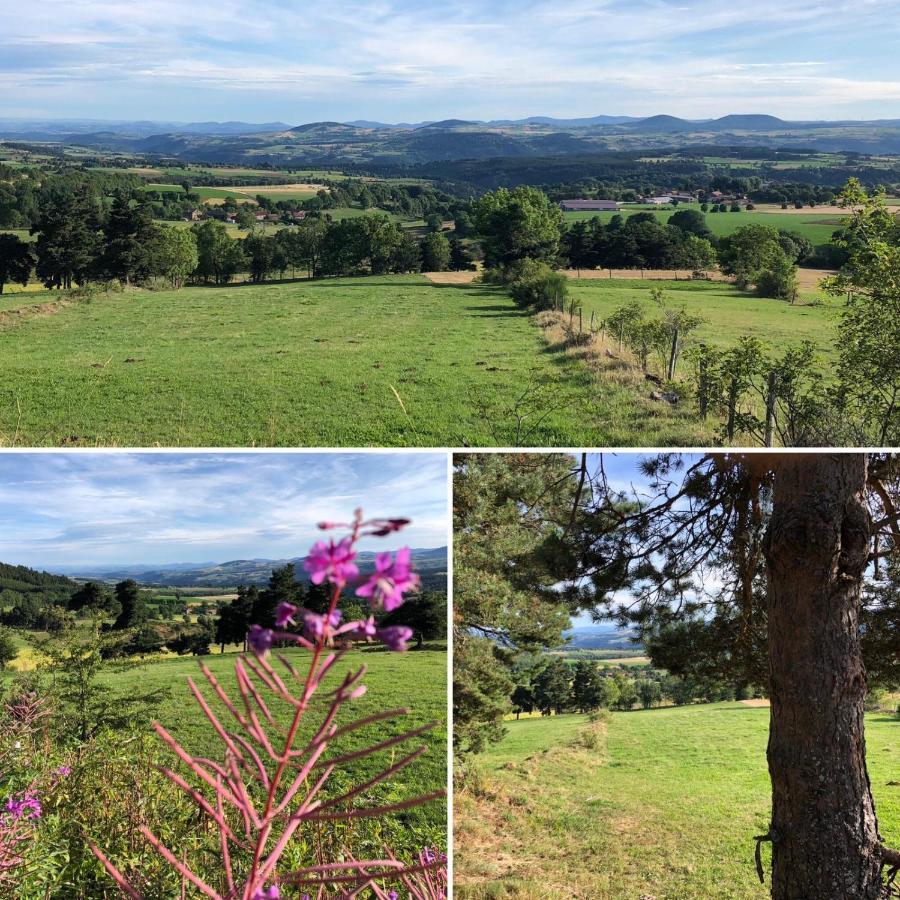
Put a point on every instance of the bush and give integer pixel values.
(535, 285)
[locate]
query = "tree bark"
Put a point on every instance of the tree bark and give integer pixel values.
(824, 830)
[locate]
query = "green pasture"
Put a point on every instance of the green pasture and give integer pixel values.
(729, 313)
(22, 233)
(659, 803)
(384, 361)
(163, 188)
(815, 227)
(416, 680)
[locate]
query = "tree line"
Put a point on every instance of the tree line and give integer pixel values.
(78, 242)
(552, 685)
(137, 624)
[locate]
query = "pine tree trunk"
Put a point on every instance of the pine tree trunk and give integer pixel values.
(824, 830)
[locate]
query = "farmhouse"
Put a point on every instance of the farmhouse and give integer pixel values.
(298, 214)
(657, 201)
(588, 205)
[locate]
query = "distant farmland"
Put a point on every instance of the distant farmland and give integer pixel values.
(298, 191)
(815, 227)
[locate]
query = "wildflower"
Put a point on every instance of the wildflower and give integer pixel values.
(63, 771)
(365, 630)
(393, 895)
(285, 614)
(395, 637)
(317, 627)
(260, 639)
(392, 577)
(271, 894)
(26, 806)
(388, 526)
(331, 562)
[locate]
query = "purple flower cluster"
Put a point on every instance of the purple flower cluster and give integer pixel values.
(23, 806)
(333, 562)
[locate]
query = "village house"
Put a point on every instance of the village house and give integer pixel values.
(588, 205)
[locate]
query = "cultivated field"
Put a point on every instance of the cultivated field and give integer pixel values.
(336, 362)
(244, 193)
(817, 226)
(659, 803)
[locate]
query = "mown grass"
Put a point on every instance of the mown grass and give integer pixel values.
(662, 803)
(815, 227)
(729, 313)
(389, 361)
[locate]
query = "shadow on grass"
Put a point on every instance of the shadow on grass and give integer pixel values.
(497, 312)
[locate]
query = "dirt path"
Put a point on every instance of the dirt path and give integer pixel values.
(808, 278)
(761, 701)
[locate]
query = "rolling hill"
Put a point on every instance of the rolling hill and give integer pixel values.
(21, 581)
(431, 564)
(365, 143)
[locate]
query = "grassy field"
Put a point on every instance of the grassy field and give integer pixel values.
(815, 227)
(22, 233)
(729, 313)
(311, 364)
(658, 803)
(415, 680)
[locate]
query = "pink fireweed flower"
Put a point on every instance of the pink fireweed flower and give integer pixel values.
(285, 614)
(260, 639)
(395, 637)
(271, 894)
(331, 562)
(320, 626)
(25, 806)
(365, 629)
(392, 577)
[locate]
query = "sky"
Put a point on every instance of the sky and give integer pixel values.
(623, 474)
(59, 510)
(414, 60)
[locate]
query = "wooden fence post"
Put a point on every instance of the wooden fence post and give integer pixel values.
(770, 407)
(703, 386)
(732, 407)
(673, 355)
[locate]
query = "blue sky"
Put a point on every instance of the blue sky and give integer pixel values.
(623, 474)
(403, 60)
(64, 509)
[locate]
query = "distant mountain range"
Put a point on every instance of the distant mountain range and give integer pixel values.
(368, 143)
(71, 127)
(598, 637)
(431, 564)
